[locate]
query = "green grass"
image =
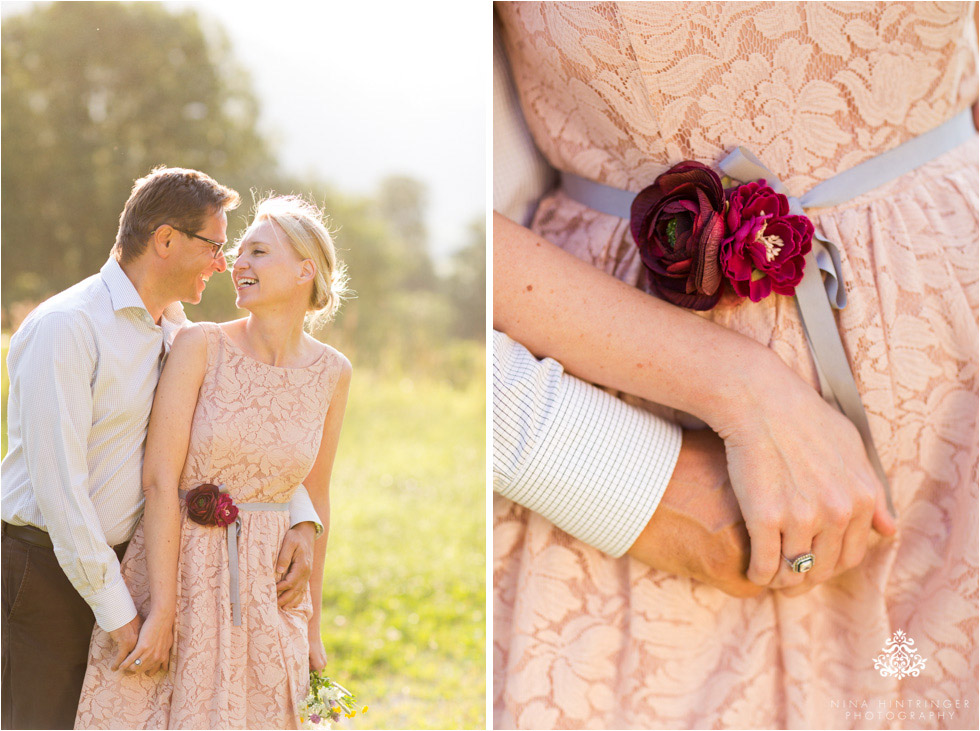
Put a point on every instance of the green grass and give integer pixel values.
(404, 593)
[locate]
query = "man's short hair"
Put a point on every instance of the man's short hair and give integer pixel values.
(177, 196)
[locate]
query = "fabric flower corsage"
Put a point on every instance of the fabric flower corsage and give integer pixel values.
(325, 703)
(208, 505)
(693, 235)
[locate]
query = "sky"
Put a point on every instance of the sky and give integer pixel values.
(355, 91)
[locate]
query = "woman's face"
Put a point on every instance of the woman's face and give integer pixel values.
(267, 269)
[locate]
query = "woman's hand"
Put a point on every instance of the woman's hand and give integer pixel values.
(153, 646)
(802, 479)
(798, 467)
(318, 655)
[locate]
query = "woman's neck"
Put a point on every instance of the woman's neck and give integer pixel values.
(276, 338)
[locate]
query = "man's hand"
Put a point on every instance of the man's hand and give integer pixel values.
(125, 639)
(697, 529)
(295, 564)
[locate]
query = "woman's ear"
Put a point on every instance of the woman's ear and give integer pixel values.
(307, 271)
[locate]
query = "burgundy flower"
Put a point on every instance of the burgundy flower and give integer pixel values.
(225, 512)
(678, 224)
(202, 502)
(764, 245)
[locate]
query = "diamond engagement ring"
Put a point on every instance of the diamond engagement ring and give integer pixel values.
(801, 564)
(138, 661)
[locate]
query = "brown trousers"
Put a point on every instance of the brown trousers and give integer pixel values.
(47, 628)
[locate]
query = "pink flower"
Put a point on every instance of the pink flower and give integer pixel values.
(764, 246)
(225, 512)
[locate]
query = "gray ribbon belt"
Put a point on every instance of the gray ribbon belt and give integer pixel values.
(815, 298)
(233, 531)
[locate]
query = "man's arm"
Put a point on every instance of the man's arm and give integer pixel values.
(52, 368)
(586, 461)
(295, 562)
(301, 510)
(615, 476)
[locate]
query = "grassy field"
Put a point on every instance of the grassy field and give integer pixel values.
(404, 594)
(404, 600)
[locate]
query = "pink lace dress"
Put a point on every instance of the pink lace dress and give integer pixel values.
(618, 92)
(257, 430)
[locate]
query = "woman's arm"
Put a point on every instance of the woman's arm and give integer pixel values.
(798, 466)
(604, 331)
(318, 485)
(166, 449)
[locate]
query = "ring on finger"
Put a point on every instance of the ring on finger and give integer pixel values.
(138, 661)
(801, 564)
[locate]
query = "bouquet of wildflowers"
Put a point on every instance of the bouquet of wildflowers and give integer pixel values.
(326, 701)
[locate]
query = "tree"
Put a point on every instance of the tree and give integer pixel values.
(94, 96)
(467, 285)
(401, 202)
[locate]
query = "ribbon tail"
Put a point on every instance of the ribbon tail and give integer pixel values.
(831, 362)
(233, 589)
(827, 257)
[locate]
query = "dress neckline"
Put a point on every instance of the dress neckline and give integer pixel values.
(242, 351)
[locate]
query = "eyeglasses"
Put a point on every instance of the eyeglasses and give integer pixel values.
(217, 247)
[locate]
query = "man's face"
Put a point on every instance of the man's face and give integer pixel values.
(193, 259)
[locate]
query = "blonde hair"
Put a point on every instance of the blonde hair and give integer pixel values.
(304, 226)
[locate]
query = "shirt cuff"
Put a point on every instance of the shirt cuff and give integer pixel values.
(301, 510)
(113, 606)
(597, 468)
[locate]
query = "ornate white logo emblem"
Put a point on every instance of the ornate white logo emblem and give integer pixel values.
(899, 658)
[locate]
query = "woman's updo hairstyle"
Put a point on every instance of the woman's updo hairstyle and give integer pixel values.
(303, 223)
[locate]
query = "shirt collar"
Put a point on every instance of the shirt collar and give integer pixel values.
(123, 294)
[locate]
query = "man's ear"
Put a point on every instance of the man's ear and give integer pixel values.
(307, 271)
(162, 241)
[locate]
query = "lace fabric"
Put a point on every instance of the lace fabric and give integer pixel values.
(812, 88)
(618, 92)
(257, 430)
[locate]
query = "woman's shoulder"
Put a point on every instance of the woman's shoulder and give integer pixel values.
(205, 329)
(229, 327)
(330, 355)
(189, 350)
(192, 337)
(202, 340)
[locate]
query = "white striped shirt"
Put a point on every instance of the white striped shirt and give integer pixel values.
(83, 369)
(591, 464)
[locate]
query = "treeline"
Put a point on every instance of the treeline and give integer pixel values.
(96, 94)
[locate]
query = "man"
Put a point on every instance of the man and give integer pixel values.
(83, 369)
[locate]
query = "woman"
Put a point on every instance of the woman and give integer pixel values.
(618, 93)
(254, 406)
